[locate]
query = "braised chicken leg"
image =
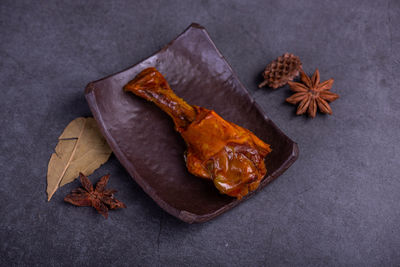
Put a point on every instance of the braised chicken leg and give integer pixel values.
(229, 155)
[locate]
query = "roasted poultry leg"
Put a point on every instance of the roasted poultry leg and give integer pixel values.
(231, 156)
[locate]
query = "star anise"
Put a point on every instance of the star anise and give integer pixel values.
(312, 94)
(99, 198)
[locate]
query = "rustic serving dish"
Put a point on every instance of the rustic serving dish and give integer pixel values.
(143, 138)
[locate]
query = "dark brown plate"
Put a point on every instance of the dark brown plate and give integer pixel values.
(143, 137)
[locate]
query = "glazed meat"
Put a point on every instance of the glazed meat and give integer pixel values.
(229, 155)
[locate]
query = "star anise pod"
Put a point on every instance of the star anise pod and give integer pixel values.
(312, 94)
(99, 198)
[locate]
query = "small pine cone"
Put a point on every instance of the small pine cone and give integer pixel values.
(283, 69)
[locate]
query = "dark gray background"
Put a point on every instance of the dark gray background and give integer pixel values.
(339, 204)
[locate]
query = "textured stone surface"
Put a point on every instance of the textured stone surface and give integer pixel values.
(337, 205)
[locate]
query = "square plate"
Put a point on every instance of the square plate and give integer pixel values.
(143, 137)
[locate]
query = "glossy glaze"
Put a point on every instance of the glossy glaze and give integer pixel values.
(231, 156)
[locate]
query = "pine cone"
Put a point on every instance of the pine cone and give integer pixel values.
(283, 69)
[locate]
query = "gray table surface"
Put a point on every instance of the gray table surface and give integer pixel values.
(338, 205)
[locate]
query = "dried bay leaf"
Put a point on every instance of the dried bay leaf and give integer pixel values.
(80, 148)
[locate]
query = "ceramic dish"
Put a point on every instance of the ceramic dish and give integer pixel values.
(143, 137)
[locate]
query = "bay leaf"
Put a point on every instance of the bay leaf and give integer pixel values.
(80, 148)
